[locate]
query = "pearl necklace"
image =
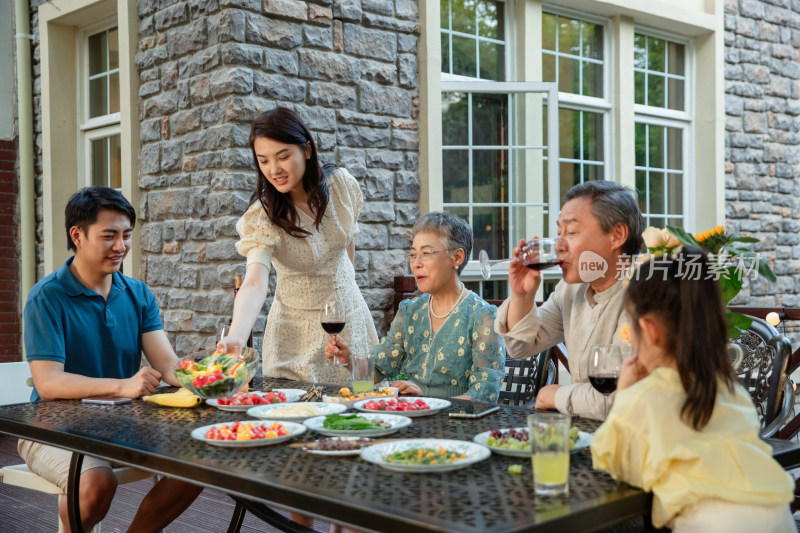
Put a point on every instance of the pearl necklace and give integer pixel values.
(450, 312)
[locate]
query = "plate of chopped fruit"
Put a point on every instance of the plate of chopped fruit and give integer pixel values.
(248, 433)
(347, 398)
(243, 401)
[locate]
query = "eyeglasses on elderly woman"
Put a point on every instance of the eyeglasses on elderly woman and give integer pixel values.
(425, 255)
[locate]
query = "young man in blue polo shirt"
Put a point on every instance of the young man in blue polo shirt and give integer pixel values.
(86, 326)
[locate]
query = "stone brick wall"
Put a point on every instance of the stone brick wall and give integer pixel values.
(762, 139)
(207, 68)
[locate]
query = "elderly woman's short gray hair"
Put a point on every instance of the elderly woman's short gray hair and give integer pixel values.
(454, 231)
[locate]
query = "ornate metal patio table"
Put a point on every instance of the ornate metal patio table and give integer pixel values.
(481, 498)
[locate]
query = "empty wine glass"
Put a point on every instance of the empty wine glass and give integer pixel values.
(333, 318)
(536, 254)
(603, 369)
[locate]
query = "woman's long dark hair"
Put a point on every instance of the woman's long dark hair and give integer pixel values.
(285, 126)
(681, 293)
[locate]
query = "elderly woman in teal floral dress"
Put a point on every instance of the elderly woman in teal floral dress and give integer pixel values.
(442, 341)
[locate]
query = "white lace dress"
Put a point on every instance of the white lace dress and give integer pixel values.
(310, 270)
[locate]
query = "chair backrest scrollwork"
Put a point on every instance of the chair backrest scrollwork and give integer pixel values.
(763, 355)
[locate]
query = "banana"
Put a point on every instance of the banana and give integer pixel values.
(174, 399)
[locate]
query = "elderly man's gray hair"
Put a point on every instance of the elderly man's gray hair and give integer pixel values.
(454, 231)
(613, 204)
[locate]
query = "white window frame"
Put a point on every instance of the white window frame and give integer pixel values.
(549, 91)
(91, 129)
(592, 104)
(672, 118)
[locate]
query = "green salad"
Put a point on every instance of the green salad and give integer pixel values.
(352, 423)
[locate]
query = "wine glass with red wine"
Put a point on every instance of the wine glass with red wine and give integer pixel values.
(603, 369)
(536, 254)
(332, 316)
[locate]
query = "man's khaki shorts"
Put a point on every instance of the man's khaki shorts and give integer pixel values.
(52, 463)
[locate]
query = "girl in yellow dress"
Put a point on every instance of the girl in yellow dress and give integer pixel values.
(682, 427)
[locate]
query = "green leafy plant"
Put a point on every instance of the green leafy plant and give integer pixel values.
(730, 260)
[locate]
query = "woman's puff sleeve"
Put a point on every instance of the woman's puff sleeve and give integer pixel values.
(258, 238)
(348, 196)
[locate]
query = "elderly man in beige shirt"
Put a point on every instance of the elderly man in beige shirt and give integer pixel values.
(600, 223)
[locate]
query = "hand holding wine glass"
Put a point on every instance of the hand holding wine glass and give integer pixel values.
(603, 370)
(333, 318)
(536, 254)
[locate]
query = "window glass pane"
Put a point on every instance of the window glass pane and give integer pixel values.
(115, 163)
(593, 172)
(490, 230)
(113, 49)
(99, 170)
(655, 90)
(592, 40)
(569, 137)
(548, 31)
(455, 166)
(570, 174)
(97, 53)
(639, 88)
(463, 12)
(592, 79)
(490, 119)
(675, 193)
(639, 51)
(674, 149)
(454, 119)
(641, 189)
(676, 58)
(492, 61)
(98, 97)
(568, 81)
(655, 54)
(495, 289)
(444, 11)
(592, 136)
(655, 145)
(490, 176)
(641, 145)
(490, 17)
(656, 222)
(676, 94)
(548, 67)
(464, 60)
(113, 105)
(446, 52)
(569, 36)
(656, 203)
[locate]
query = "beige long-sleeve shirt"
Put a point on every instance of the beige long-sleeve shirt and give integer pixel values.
(579, 317)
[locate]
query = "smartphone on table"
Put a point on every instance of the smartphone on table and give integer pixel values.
(474, 411)
(107, 400)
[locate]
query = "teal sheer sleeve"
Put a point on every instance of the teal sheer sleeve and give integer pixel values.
(488, 357)
(390, 353)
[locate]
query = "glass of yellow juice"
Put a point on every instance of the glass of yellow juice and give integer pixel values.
(549, 436)
(363, 372)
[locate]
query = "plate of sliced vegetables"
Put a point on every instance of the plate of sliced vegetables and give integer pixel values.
(248, 433)
(360, 425)
(514, 441)
(425, 455)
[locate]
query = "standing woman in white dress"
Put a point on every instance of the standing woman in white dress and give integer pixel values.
(301, 219)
